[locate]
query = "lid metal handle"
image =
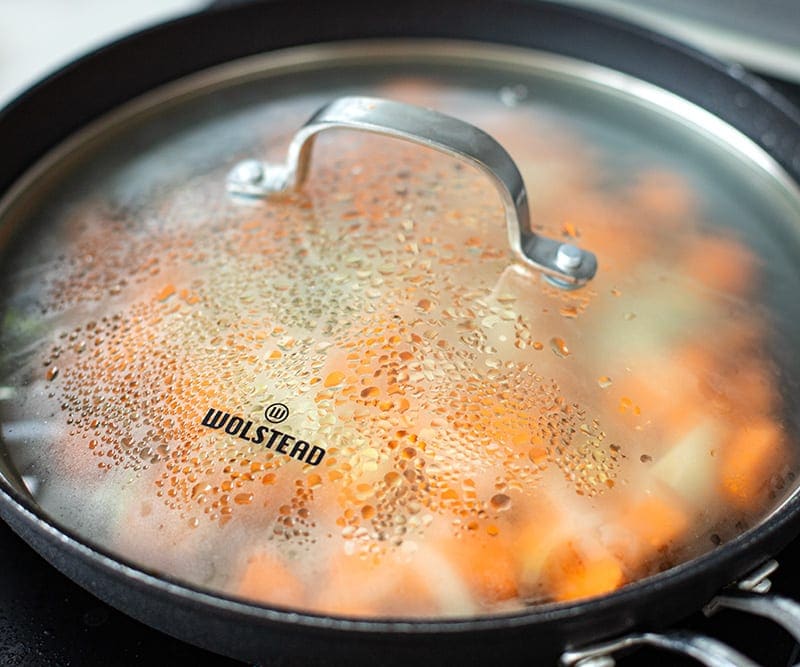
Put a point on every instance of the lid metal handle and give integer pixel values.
(564, 264)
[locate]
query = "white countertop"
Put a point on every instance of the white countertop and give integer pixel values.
(39, 36)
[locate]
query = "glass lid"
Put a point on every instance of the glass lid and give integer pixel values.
(357, 397)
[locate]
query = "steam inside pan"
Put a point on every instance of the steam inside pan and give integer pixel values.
(353, 399)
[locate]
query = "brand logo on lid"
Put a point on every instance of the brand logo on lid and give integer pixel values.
(276, 413)
(271, 438)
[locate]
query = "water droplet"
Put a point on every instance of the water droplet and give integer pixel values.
(570, 230)
(51, 372)
(166, 292)
(334, 379)
(604, 381)
(569, 311)
(425, 305)
(537, 455)
(500, 502)
(559, 347)
(392, 479)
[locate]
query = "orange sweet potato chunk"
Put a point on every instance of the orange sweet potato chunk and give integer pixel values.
(747, 459)
(656, 521)
(573, 573)
(265, 578)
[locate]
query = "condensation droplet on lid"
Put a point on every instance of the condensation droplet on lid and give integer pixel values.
(334, 379)
(500, 502)
(604, 382)
(559, 347)
(425, 305)
(537, 455)
(243, 498)
(51, 373)
(570, 230)
(569, 311)
(166, 292)
(409, 452)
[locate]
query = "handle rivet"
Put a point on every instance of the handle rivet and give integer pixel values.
(249, 171)
(568, 257)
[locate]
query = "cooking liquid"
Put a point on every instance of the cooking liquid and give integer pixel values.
(489, 442)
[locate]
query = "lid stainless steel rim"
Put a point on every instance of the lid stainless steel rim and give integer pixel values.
(251, 178)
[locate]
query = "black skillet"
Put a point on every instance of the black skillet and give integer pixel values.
(99, 82)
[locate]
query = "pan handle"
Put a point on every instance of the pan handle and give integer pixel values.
(705, 650)
(564, 264)
(748, 595)
(781, 610)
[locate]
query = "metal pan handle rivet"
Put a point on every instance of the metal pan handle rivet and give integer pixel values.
(563, 264)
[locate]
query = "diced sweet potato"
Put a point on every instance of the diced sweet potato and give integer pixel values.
(486, 564)
(266, 579)
(573, 571)
(747, 459)
(655, 520)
